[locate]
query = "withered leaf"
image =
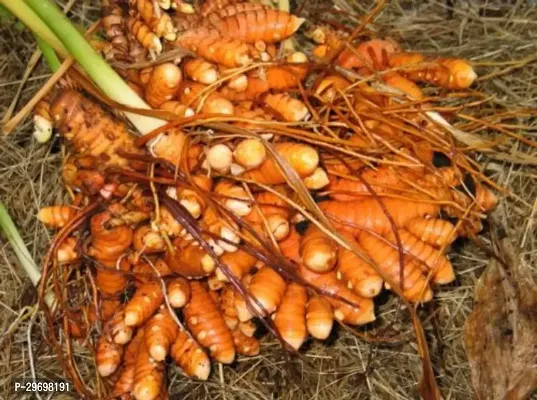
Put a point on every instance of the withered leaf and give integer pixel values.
(501, 332)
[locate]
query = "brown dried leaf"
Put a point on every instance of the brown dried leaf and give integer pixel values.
(501, 333)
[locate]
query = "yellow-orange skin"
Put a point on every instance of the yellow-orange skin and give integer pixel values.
(148, 375)
(435, 231)
(56, 216)
(201, 71)
(414, 285)
(147, 298)
(290, 318)
(187, 259)
(365, 281)
(319, 317)
(124, 385)
(434, 261)
(264, 24)
(178, 291)
(108, 356)
(160, 332)
(362, 310)
(90, 130)
(188, 354)
(289, 108)
(230, 9)
(245, 345)
(163, 84)
(367, 214)
(267, 287)
(317, 251)
(144, 272)
(238, 262)
(227, 306)
(302, 158)
(206, 324)
(209, 44)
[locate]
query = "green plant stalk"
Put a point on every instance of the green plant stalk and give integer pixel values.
(49, 54)
(13, 236)
(98, 69)
(7, 226)
(29, 18)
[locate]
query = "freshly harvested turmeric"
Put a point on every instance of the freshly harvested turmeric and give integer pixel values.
(160, 333)
(302, 158)
(206, 324)
(146, 300)
(317, 251)
(188, 354)
(268, 288)
(56, 216)
(290, 318)
(319, 317)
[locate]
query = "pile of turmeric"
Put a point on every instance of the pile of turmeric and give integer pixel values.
(193, 236)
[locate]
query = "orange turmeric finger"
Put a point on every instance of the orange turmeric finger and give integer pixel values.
(435, 231)
(317, 251)
(228, 51)
(442, 270)
(148, 375)
(368, 214)
(245, 345)
(147, 241)
(189, 259)
(290, 318)
(319, 317)
(461, 73)
(267, 287)
(125, 383)
(143, 304)
(289, 108)
(414, 284)
(302, 158)
(205, 321)
(360, 312)
(361, 278)
(177, 108)
(485, 198)
(264, 25)
(227, 305)
(160, 333)
(163, 84)
(178, 291)
(231, 9)
(403, 84)
(254, 89)
(67, 251)
(234, 198)
(250, 153)
(288, 76)
(108, 356)
(143, 34)
(188, 354)
(56, 216)
(238, 262)
(116, 329)
(159, 22)
(200, 70)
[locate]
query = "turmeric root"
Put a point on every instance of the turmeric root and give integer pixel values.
(290, 318)
(56, 216)
(302, 158)
(205, 321)
(188, 354)
(148, 375)
(317, 251)
(143, 304)
(160, 333)
(319, 317)
(267, 287)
